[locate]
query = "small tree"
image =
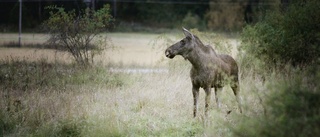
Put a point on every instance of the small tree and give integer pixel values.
(80, 35)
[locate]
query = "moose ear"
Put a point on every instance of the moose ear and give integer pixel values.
(187, 33)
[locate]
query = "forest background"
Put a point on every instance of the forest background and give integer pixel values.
(146, 15)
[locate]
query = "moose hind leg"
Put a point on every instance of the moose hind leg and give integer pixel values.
(236, 91)
(195, 92)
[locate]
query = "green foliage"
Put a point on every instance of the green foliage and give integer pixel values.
(296, 113)
(291, 36)
(269, 50)
(151, 16)
(292, 107)
(76, 33)
(192, 21)
(87, 22)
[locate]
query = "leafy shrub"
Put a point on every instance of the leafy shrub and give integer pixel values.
(291, 36)
(291, 107)
(76, 33)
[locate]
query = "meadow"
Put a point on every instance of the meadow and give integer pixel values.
(44, 94)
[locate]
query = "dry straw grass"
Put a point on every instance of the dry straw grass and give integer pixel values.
(143, 105)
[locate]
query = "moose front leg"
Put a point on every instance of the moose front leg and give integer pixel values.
(217, 91)
(208, 99)
(195, 92)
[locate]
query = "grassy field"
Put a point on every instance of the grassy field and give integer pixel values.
(115, 105)
(99, 103)
(132, 48)
(43, 94)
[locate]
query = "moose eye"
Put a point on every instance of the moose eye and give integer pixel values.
(182, 42)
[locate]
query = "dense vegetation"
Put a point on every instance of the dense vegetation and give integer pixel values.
(289, 36)
(283, 50)
(146, 15)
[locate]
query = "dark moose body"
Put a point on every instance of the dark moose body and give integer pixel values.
(209, 69)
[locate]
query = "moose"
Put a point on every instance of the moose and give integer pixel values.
(209, 69)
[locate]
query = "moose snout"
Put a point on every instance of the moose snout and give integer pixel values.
(169, 54)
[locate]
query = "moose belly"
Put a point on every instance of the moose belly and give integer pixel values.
(207, 80)
(202, 80)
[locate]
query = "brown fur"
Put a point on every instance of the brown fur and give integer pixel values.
(209, 69)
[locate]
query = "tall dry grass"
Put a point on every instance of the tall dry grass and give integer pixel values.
(141, 105)
(96, 102)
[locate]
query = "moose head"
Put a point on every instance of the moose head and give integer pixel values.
(183, 47)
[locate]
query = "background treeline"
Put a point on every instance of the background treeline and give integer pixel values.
(221, 15)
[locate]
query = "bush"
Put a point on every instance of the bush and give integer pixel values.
(292, 107)
(291, 36)
(76, 33)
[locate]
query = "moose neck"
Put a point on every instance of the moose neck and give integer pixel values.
(201, 56)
